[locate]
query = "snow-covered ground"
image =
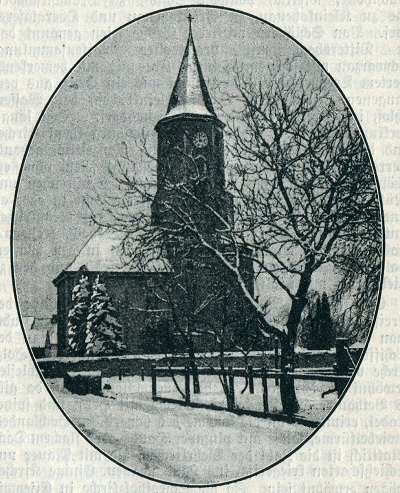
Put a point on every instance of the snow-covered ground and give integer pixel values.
(313, 407)
(186, 445)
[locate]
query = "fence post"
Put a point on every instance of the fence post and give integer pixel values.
(153, 381)
(187, 385)
(265, 390)
(142, 373)
(342, 361)
(251, 379)
(231, 389)
(120, 373)
(276, 350)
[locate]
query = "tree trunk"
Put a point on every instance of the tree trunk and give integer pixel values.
(224, 382)
(193, 366)
(223, 378)
(290, 404)
(246, 368)
(287, 388)
(171, 372)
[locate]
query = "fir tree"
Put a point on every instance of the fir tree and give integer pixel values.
(317, 326)
(77, 317)
(103, 332)
(327, 336)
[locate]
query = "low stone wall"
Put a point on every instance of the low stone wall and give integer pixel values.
(304, 359)
(131, 365)
(109, 366)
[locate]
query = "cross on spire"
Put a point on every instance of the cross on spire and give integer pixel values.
(190, 94)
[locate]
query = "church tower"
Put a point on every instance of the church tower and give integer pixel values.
(191, 192)
(191, 148)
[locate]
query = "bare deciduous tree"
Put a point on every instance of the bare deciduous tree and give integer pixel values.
(304, 187)
(303, 190)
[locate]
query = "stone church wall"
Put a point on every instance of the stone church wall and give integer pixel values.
(129, 292)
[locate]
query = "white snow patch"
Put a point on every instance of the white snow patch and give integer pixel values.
(181, 444)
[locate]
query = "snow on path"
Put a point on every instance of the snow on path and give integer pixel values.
(178, 444)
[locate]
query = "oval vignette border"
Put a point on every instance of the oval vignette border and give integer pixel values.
(236, 11)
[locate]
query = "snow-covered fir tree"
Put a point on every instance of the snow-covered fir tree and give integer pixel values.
(77, 317)
(103, 331)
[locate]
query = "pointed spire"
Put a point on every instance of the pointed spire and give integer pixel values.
(190, 94)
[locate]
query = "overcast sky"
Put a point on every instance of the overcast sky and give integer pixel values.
(119, 88)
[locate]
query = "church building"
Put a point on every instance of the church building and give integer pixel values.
(190, 152)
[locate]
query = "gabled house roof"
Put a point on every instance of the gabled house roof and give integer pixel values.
(38, 329)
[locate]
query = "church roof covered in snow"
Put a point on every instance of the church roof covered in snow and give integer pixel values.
(102, 253)
(190, 94)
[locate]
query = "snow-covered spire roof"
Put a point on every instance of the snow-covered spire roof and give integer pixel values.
(190, 94)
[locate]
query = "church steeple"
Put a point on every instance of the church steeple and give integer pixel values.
(190, 94)
(190, 146)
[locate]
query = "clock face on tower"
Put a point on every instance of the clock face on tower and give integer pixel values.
(200, 140)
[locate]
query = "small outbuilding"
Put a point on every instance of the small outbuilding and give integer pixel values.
(42, 335)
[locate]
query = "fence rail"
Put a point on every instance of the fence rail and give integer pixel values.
(256, 373)
(325, 375)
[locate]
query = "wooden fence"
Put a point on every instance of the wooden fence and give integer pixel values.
(317, 374)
